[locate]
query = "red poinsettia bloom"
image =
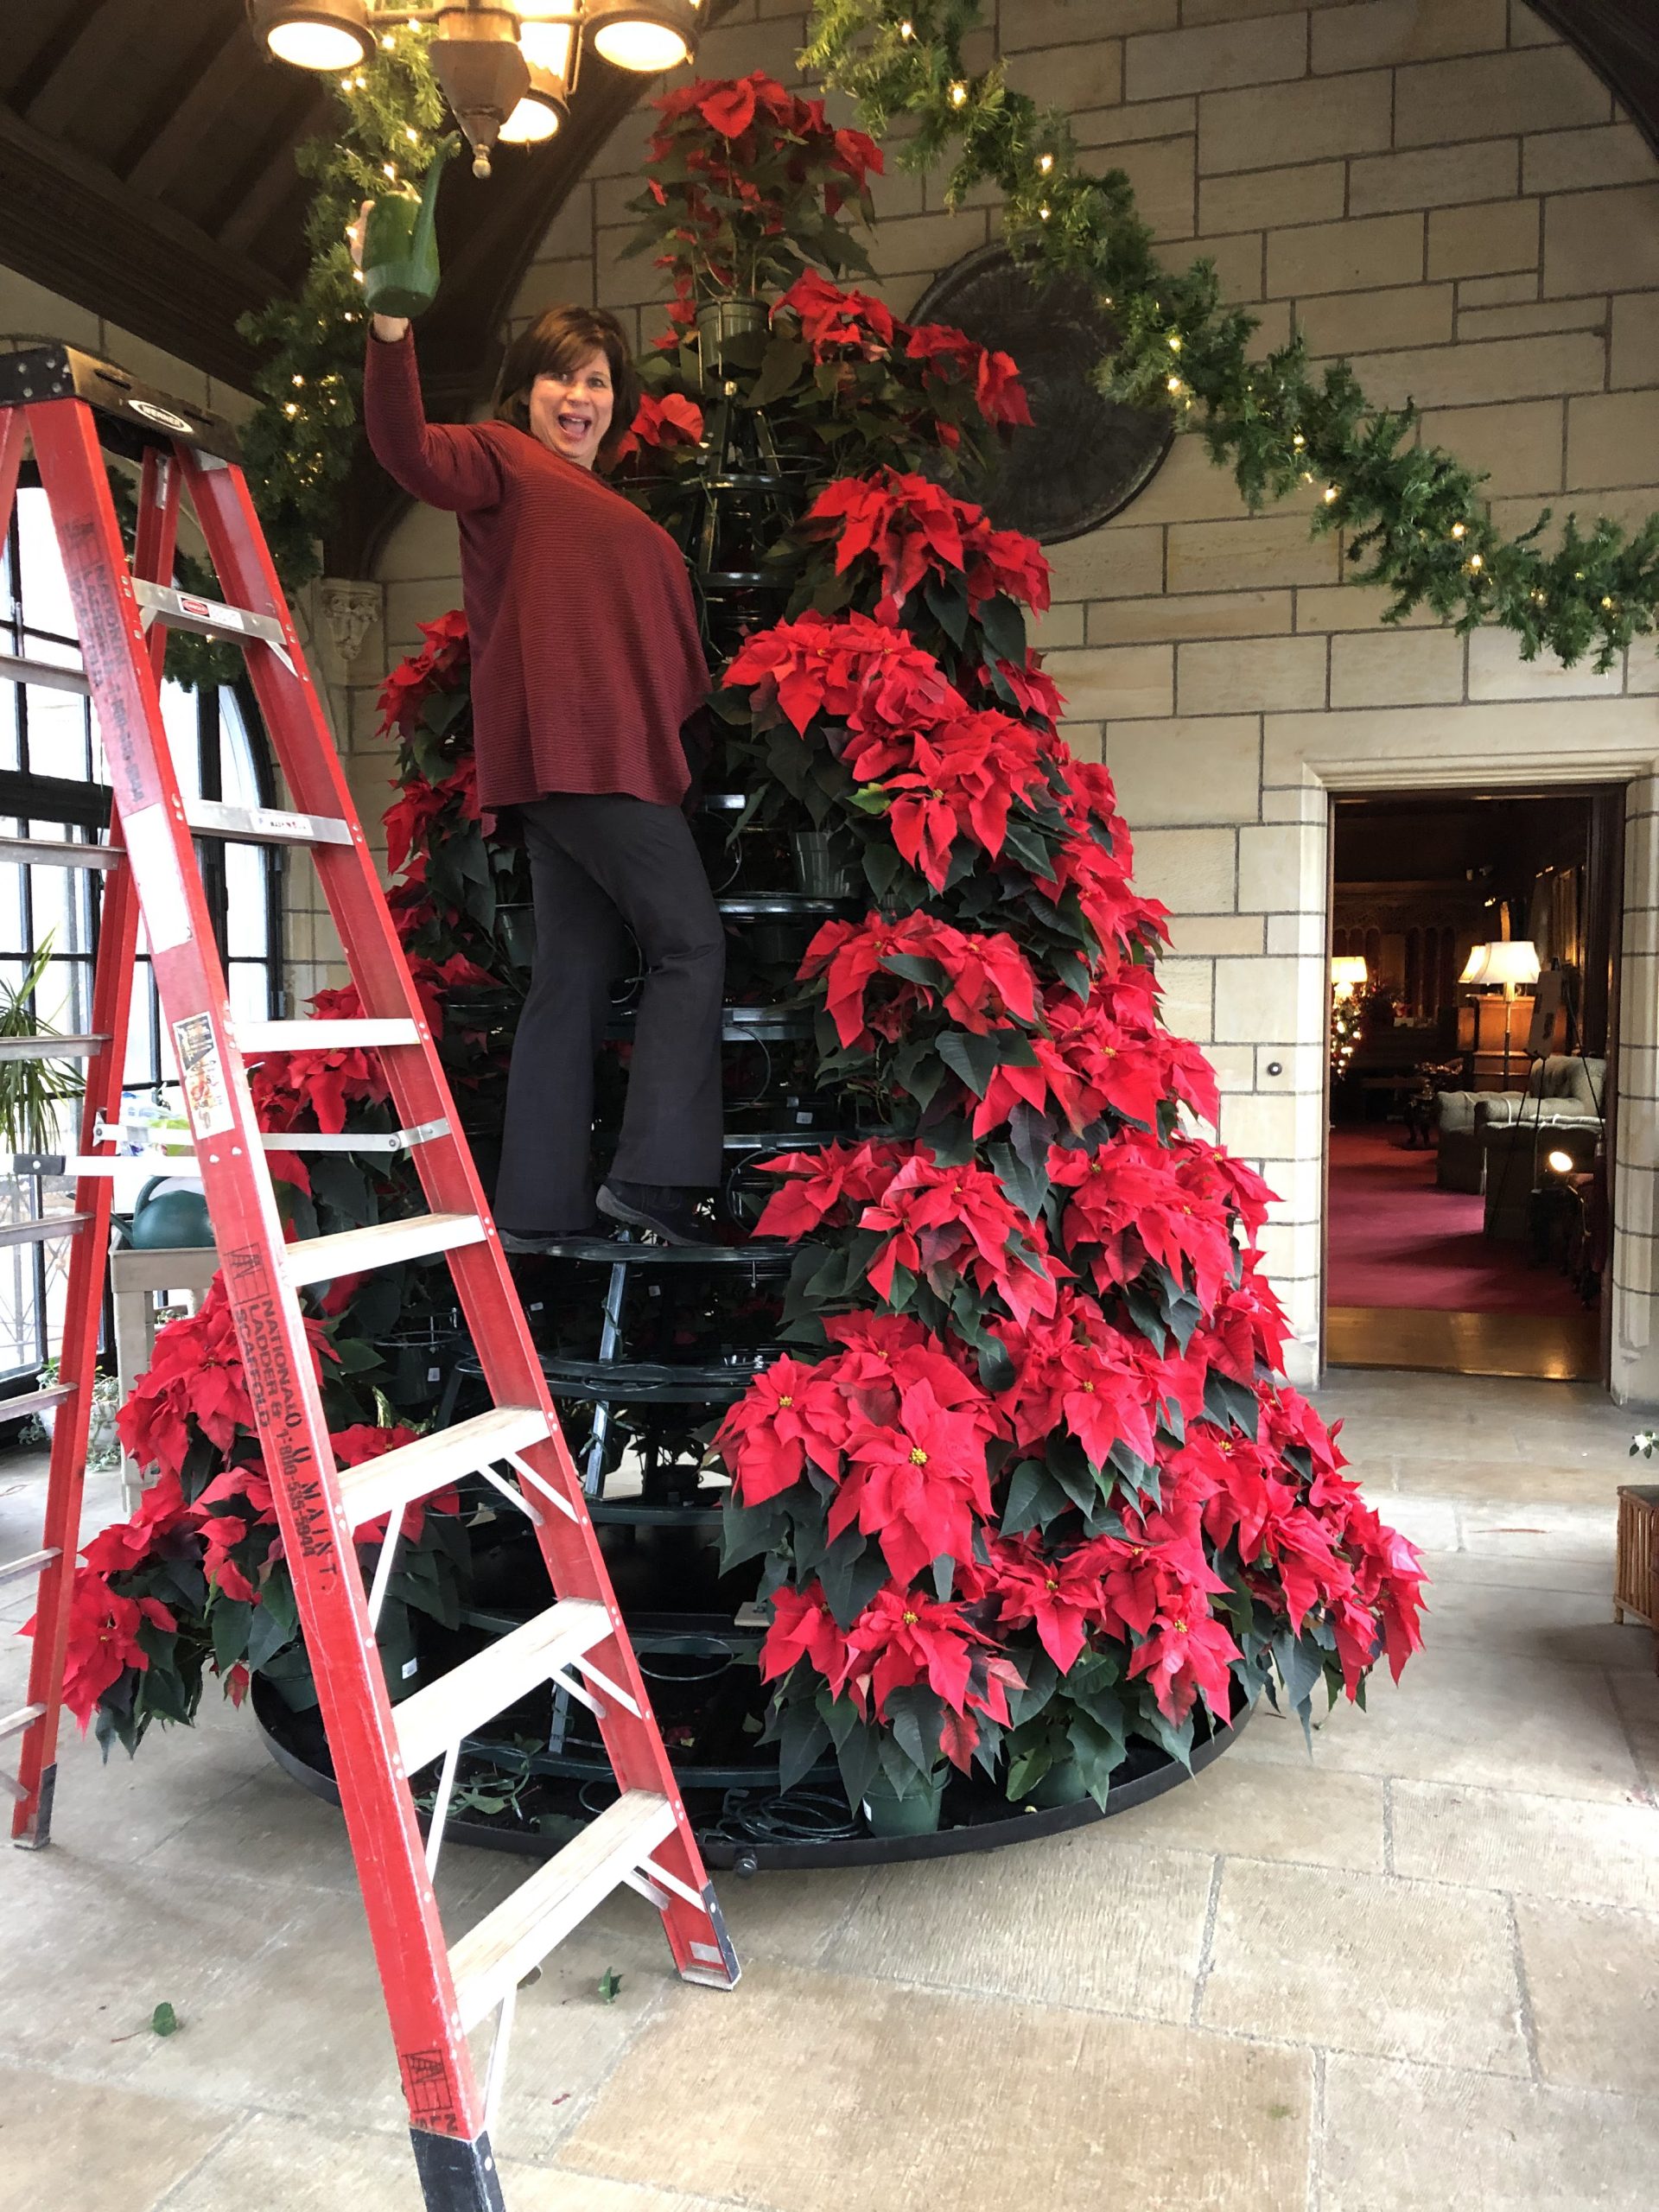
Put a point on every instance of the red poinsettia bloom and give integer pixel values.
(994, 377)
(941, 1222)
(836, 321)
(960, 779)
(802, 1627)
(911, 527)
(982, 982)
(903, 1637)
(1074, 1370)
(792, 1414)
(830, 1186)
(103, 1640)
(438, 667)
(195, 1376)
(916, 1485)
(1058, 1594)
(664, 425)
(1039, 695)
(848, 669)
(1187, 1653)
(1132, 1202)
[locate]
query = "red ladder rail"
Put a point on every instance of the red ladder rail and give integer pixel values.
(435, 1992)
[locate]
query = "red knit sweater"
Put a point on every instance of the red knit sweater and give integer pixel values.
(586, 658)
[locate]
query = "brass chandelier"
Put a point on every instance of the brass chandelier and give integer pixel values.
(507, 68)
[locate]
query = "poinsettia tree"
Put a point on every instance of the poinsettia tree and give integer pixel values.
(1030, 1486)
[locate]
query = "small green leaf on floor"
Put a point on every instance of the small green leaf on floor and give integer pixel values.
(1278, 2111)
(164, 2021)
(609, 1982)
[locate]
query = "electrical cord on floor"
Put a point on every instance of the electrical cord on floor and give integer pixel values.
(803, 1816)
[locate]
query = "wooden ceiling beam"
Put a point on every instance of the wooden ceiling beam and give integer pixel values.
(220, 85)
(81, 67)
(75, 227)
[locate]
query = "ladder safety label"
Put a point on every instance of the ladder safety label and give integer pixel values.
(202, 1073)
(161, 886)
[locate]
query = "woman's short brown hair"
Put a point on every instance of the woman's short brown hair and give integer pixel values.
(558, 342)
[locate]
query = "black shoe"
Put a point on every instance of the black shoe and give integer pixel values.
(667, 1210)
(541, 1240)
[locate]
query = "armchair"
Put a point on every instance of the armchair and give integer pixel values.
(1564, 1090)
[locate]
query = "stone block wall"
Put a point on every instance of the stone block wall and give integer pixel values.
(1443, 192)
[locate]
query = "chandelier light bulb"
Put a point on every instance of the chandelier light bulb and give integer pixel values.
(327, 35)
(646, 36)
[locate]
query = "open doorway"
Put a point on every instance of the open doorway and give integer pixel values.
(1474, 994)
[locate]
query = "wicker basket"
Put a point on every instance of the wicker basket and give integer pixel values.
(1636, 1572)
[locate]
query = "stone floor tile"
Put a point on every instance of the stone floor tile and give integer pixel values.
(1364, 1962)
(1315, 1814)
(1521, 1479)
(1431, 1523)
(1571, 1628)
(1405, 2138)
(1586, 1577)
(84, 2146)
(552, 2189)
(88, 1948)
(823, 2093)
(307, 2035)
(784, 1917)
(1534, 1846)
(1593, 1974)
(1096, 1921)
(267, 1820)
(1460, 1714)
(1519, 1530)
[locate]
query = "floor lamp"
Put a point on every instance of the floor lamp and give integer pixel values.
(1508, 961)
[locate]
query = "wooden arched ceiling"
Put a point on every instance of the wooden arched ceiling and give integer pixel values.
(147, 172)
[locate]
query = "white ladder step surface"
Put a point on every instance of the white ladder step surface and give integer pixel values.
(42, 1231)
(52, 1394)
(459, 1702)
(419, 1237)
(493, 1958)
(325, 1036)
(14, 1570)
(398, 1478)
(12, 1724)
(263, 825)
(56, 852)
(50, 1048)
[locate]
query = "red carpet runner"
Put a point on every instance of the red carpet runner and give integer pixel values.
(1395, 1240)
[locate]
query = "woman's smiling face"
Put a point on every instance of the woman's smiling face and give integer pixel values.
(571, 414)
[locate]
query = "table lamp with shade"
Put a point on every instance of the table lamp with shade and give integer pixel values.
(1506, 962)
(1349, 974)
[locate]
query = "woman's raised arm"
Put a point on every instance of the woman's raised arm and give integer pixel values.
(447, 464)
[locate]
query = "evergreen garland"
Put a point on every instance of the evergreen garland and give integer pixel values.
(298, 444)
(1414, 516)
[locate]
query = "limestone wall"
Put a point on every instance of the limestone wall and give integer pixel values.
(1444, 193)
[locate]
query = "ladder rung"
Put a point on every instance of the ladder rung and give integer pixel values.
(49, 677)
(209, 618)
(52, 1394)
(495, 1956)
(12, 1724)
(398, 1478)
(50, 1048)
(459, 1702)
(263, 825)
(354, 1139)
(419, 1236)
(56, 852)
(42, 1232)
(324, 1036)
(14, 1570)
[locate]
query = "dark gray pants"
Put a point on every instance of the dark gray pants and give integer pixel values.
(602, 865)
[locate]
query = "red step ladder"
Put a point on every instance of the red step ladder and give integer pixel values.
(73, 409)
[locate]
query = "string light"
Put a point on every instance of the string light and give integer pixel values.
(1045, 164)
(1332, 491)
(1174, 341)
(1044, 210)
(389, 170)
(1298, 440)
(1476, 562)
(1175, 383)
(299, 380)
(959, 94)
(1458, 529)
(1607, 602)
(907, 31)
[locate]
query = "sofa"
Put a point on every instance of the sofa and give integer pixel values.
(1567, 1090)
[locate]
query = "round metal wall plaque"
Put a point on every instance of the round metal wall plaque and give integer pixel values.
(1084, 458)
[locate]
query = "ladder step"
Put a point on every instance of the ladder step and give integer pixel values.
(56, 852)
(458, 1703)
(324, 1036)
(15, 1570)
(355, 1140)
(398, 1478)
(12, 1724)
(50, 1048)
(42, 1232)
(52, 1393)
(419, 1236)
(263, 825)
(46, 673)
(495, 1956)
(209, 618)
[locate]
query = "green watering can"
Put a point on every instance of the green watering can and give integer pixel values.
(400, 248)
(166, 1219)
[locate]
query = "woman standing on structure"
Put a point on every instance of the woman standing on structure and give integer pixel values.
(587, 666)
